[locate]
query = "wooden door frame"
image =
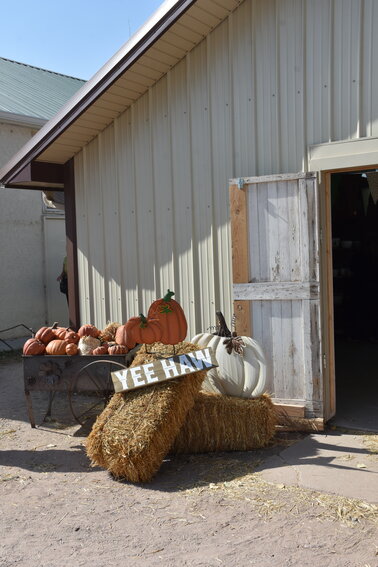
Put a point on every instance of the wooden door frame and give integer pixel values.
(326, 298)
(326, 281)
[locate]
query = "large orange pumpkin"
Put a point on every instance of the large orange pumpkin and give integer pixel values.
(56, 347)
(46, 334)
(88, 331)
(33, 346)
(122, 337)
(144, 330)
(172, 317)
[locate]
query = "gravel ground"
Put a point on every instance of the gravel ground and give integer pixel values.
(200, 510)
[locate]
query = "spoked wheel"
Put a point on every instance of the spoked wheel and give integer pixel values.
(91, 388)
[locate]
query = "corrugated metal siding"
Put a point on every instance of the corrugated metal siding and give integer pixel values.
(272, 79)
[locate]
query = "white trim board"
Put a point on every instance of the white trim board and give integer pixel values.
(343, 155)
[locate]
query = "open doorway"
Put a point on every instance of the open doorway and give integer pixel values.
(354, 210)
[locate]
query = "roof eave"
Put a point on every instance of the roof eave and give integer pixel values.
(138, 44)
(21, 120)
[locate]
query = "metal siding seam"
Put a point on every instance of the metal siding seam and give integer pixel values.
(97, 238)
(128, 231)
(222, 165)
(215, 105)
(160, 143)
(182, 184)
(81, 227)
(202, 181)
(145, 203)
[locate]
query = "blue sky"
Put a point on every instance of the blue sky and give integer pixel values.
(73, 37)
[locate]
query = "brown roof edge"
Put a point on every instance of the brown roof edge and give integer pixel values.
(168, 13)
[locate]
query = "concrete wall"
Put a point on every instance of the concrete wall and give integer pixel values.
(22, 249)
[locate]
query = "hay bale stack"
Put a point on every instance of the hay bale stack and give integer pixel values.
(225, 423)
(136, 430)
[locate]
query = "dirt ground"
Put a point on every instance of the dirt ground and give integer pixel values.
(205, 510)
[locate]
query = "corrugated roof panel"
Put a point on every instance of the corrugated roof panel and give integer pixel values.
(30, 91)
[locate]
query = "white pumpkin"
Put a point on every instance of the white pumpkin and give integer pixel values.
(242, 365)
(87, 345)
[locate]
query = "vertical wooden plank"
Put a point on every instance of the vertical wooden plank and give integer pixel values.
(329, 381)
(240, 267)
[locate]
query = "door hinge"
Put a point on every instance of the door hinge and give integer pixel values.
(321, 235)
(324, 361)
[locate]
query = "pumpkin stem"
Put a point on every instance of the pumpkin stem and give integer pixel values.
(54, 326)
(223, 330)
(143, 321)
(168, 296)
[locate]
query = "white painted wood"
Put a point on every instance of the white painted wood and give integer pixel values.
(272, 178)
(272, 291)
(343, 155)
(284, 286)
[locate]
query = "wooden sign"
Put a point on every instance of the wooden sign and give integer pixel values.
(163, 369)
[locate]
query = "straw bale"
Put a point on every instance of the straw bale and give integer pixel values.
(136, 430)
(225, 423)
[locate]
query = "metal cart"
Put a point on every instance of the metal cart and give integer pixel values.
(75, 375)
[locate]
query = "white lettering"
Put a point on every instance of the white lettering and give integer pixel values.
(122, 377)
(150, 373)
(201, 358)
(135, 375)
(168, 367)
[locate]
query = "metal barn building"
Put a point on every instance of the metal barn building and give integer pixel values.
(218, 154)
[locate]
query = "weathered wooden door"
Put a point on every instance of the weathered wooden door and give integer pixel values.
(275, 245)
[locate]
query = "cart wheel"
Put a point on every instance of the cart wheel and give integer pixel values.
(91, 389)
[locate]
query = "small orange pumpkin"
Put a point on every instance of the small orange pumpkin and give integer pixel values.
(46, 334)
(117, 349)
(103, 349)
(122, 337)
(71, 349)
(144, 330)
(56, 347)
(33, 346)
(172, 317)
(60, 333)
(71, 336)
(88, 331)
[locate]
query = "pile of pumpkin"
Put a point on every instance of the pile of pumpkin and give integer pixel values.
(165, 323)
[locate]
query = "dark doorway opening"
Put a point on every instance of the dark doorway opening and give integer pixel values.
(354, 206)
